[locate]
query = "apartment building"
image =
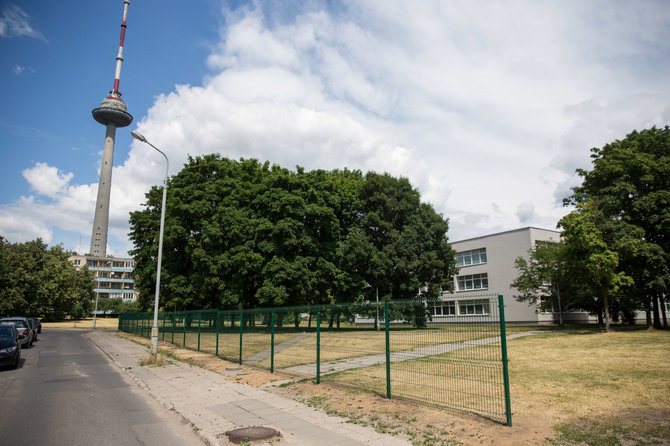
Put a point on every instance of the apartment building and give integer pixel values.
(486, 266)
(114, 277)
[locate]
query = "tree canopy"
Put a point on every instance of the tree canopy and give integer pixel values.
(245, 234)
(625, 201)
(37, 281)
(613, 257)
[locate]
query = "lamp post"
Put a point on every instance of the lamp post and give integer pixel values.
(154, 329)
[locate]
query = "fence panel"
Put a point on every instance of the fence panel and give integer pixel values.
(446, 353)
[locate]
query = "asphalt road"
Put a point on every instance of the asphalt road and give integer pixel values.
(66, 392)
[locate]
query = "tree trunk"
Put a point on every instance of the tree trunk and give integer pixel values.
(606, 309)
(657, 318)
(665, 317)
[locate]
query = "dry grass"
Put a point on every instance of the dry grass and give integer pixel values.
(567, 388)
(583, 387)
(101, 322)
(585, 374)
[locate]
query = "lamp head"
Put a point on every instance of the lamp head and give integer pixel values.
(138, 136)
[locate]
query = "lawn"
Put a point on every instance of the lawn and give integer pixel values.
(101, 322)
(578, 387)
(568, 387)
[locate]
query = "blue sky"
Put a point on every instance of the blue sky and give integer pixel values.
(488, 108)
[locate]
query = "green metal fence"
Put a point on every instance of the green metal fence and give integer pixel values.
(450, 354)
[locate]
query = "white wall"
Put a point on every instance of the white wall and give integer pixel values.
(501, 251)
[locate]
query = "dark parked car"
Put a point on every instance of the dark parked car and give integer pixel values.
(39, 324)
(33, 327)
(23, 327)
(10, 346)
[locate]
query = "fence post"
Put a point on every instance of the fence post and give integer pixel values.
(174, 323)
(241, 331)
(217, 332)
(388, 351)
(163, 328)
(503, 345)
(318, 345)
(183, 321)
(272, 343)
(199, 324)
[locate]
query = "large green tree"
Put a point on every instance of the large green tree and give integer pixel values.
(241, 234)
(592, 260)
(630, 182)
(39, 281)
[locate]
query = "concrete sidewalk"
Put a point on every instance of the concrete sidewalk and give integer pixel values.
(213, 405)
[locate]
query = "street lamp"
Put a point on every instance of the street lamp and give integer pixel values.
(154, 329)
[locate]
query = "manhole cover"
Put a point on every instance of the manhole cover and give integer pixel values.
(251, 433)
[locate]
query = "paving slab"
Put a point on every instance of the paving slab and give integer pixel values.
(213, 405)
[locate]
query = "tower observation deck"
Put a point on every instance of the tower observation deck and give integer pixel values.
(112, 113)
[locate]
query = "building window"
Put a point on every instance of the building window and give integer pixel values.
(474, 257)
(77, 262)
(473, 282)
(473, 307)
(443, 309)
(118, 264)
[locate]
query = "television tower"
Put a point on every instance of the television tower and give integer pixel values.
(112, 114)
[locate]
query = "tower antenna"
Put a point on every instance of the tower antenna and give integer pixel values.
(112, 113)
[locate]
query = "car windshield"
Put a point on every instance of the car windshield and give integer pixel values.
(6, 334)
(20, 324)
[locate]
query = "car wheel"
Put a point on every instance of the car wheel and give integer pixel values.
(16, 363)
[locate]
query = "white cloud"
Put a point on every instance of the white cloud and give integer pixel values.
(15, 22)
(23, 221)
(46, 180)
(486, 108)
(18, 70)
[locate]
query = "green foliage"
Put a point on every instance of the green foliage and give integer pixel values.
(241, 234)
(41, 282)
(541, 278)
(629, 188)
(117, 305)
(592, 258)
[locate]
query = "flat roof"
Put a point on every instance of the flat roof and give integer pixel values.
(527, 228)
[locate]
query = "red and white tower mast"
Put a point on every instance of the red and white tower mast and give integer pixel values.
(112, 113)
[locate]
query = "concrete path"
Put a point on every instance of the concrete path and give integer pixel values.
(341, 365)
(258, 357)
(213, 405)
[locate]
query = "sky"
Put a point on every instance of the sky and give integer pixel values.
(487, 107)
